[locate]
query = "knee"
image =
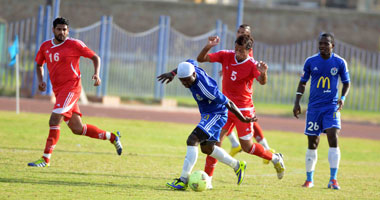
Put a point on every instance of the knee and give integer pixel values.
(207, 149)
(77, 130)
(192, 140)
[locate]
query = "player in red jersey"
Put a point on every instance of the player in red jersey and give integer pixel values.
(62, 54)
(239, 70)
(245, 29)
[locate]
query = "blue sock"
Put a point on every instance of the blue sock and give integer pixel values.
(309, 176)
(333, 173)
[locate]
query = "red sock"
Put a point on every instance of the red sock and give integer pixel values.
(210, 165)
(258, 150)
(51, 142)
(94, 132)
(257, 132)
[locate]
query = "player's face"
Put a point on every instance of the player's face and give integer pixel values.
(188, 81)
(325, 46)
(61, 31)
(241, 52)
(243, 31)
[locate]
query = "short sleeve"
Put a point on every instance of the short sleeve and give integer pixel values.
(40, 58)
(255, 72)
(217, 56)
(83, 50)
(343, 72)
(306, 71)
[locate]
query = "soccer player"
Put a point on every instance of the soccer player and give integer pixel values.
(245, 29)
(323, 112)
(213, 107)
(239, 71)
(62, 56)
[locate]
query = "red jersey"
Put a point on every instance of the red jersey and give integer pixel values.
(63, 62)
(237, 77)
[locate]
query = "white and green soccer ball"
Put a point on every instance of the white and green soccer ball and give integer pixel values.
(198, 181)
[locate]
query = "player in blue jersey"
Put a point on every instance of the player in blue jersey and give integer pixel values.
(323, 112)
(213, 106)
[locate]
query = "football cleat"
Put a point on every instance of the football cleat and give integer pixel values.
(280, 166)
(177, 184)
(241, 172)
(267, 161)
(333, 184)
(308, 184)
(117, 143)
(235, 150)
(39, 163)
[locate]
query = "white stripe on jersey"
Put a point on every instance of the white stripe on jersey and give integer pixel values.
(64, 109)
(79, 41)
(75, 72)
(205, 92)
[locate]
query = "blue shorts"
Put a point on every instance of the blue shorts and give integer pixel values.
(212, 124)
(318, 120)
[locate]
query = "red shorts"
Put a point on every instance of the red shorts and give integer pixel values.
(66, 103)
(244, 130)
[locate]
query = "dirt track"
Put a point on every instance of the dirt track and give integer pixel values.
(183, 115)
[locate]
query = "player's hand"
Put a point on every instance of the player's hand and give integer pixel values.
(97, 79)
(262, 67)
(296, 110)
(42, 86)
(213, 41)
(340, 104)
(168, 77)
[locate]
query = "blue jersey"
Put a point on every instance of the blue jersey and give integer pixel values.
(324, 79)
(206, 93)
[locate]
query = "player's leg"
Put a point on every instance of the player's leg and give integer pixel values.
(235, 145)
(259, 137)
(189, 162)
(54, 132)
(312, 130)
(332, 123)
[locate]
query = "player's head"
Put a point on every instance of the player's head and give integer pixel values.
(243, 44)
(326, 43)
(186, 74)
(243, 29)
(60, 29)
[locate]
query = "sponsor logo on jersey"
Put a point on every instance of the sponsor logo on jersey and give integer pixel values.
(334, 71)
(199, 97)
(324, 81)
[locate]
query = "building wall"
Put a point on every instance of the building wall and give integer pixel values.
(271, 25)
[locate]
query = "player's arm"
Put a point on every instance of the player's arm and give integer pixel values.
(203, 55)
(235, 110)
(263, 68)
(299, 93)
(40, 77)
(96, 61)
(345, 89)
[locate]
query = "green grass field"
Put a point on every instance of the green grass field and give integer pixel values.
(85, 168)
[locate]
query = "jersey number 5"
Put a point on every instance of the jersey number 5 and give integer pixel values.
(233, 75)
(56, 57)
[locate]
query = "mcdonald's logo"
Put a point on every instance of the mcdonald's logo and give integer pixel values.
(324, 80)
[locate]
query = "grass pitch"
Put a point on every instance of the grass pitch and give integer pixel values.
(86, 168)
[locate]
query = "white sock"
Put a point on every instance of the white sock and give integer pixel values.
(275, 158)
(311, 159)
(224, 157)
(234, 140)
(189, 162)
(108, 135)
(264, 143)
(334, 157)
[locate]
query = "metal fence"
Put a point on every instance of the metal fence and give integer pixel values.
(131, 61)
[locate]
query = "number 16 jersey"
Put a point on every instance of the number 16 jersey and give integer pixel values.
(237, 77)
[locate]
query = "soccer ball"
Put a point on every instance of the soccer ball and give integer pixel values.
(198, 181)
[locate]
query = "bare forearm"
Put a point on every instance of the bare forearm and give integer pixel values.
(235, 110)
(40, 73)
(96, 61)
(345, 89)
(263, 78)
(203, 55)
(300, 91)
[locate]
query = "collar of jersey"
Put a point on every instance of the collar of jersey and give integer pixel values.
(332, 54)
(237, 63)
(57, 45)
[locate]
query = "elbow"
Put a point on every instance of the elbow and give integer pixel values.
(199, 59)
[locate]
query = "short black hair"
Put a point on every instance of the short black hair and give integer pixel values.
(245, 26)
(245, 40)
(60, 20)
(327, 34)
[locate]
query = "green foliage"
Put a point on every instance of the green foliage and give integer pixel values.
(85, 168)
